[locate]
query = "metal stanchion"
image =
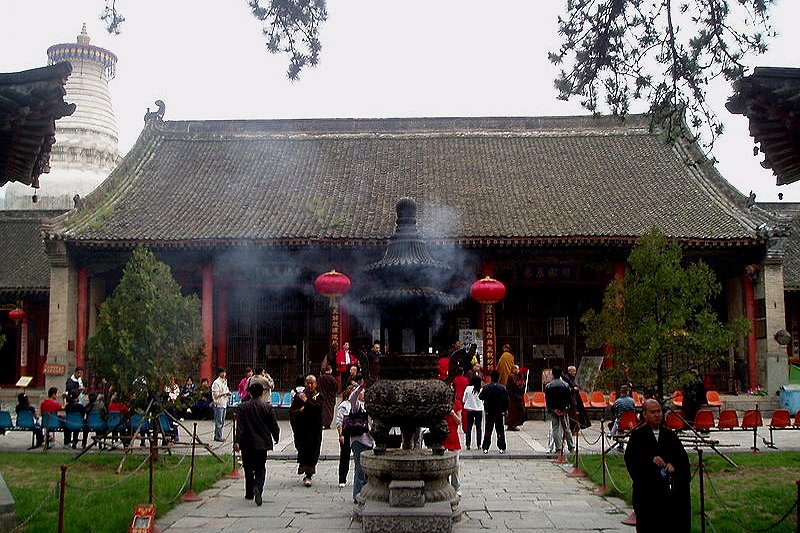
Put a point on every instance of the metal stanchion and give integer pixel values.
(151, 466)
(702, 491)
(63, 489)
(754, 449)
(577, 472)
(603, 489)
(798, 506)
(234, 473)
(190, 495)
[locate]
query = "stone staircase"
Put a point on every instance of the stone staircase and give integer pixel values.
(741, 402)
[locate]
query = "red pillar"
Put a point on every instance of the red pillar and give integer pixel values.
(207, 312)
(221, 332)
(82, 316)
(750, 314)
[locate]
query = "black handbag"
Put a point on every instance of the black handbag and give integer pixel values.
(355, 424)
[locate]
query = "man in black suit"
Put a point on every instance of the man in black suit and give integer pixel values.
(495, 404)
(256, 430)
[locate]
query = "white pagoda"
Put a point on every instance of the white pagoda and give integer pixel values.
(86, 149)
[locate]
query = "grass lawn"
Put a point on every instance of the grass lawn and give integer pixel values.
(752, 497)
(97, 498)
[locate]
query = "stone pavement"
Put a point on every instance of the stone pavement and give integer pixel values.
(522, 490)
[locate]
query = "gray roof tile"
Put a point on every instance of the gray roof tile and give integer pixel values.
(474, 179)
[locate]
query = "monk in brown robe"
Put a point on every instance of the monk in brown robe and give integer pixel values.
(328, 387)
(516, 415)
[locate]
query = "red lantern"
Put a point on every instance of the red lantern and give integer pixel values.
(17, 314)
(487, 291)
(332, 284)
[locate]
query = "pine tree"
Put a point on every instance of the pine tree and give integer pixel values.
(659, 318)
(148, 331)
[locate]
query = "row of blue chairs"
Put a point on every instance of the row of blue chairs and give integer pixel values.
(95, 421)
(281, 400)
(277, 399)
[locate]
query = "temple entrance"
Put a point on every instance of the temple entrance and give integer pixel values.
(270, 328)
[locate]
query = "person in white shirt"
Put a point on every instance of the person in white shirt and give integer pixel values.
(219, 395)
(473, 405)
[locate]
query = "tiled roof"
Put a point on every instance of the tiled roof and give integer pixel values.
(770, 99)
(791, 261)
(30, 103)
(23, 262)
(475, 181)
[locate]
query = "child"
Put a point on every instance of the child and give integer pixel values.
(453, 442)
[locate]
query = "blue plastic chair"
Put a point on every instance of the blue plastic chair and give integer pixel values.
(5, 421)
(168, 428)
(114, 421)
(73, 421)
(95, 422)
(25, 421)
(51, 422)
(287, 400)
(139, 422)
(234, 399)
(275, 398)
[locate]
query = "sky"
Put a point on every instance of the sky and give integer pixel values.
(206, 59)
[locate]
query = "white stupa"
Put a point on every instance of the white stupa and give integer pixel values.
(86, 149)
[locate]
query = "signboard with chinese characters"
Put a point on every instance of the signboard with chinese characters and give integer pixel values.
(55, 369)
(547, 272)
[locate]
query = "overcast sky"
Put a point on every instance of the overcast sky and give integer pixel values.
(206, 59)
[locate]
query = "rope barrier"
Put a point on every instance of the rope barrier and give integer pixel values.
(733, 516)
(111, 486)
(613, 483)
(22, 525)
(596, 470)
(180, 490)
(582, 434)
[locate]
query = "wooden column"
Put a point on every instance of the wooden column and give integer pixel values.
(82, 316)
(207, 312)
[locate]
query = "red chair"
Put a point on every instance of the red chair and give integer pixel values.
(713, 400)
(585, 399)
(780, 420)
(675, 421)
(538, 400)
(796, 422)
(612, 397)
(627, 421)
(677, 398)
(752, 419)
(704, 420)
(637, 399)
(728, 419)
(527, 400)
(598, 400)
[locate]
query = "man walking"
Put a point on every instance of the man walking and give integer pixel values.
(559, 398)
(256, 431)
(219, 396)
(659, 468)
(495, 404)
